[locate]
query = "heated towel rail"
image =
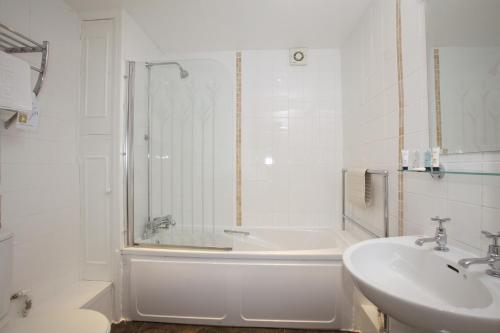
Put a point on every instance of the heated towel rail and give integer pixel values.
(385, 175)
(384, 324)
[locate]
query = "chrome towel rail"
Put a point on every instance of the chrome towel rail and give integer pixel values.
(12, 41)
(385, 175)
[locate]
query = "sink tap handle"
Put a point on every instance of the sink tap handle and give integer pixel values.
(440, 220)
(493, 236)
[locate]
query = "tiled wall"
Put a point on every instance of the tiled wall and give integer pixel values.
(370, 101)
(39, 173)
(370, 105)
(291, 139)
(472, 202)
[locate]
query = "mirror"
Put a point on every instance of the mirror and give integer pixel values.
(463, 57)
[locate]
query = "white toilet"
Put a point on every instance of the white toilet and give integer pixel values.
(71, 320)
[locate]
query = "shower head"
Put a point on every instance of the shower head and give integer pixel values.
(183, 73)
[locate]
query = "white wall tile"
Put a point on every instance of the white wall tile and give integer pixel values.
(370, 100)
(465, 226)
(491, 186)
(291, 114)
(491, 223)
(470, 201)
(39, 173)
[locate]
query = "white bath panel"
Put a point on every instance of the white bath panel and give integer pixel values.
(223, 290)
(177, 290)
(304, 293)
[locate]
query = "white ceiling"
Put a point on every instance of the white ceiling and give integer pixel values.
(208, 25)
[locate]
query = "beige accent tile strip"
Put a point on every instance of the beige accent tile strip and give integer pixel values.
(401, 108)
(437, 92)
(238, 138)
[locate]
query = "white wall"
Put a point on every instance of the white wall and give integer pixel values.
(369, 71)
(472, 202)
(297, 123)
(370, 106)
(39, 172)
(135, 44)
(291, 139)
(370, 124)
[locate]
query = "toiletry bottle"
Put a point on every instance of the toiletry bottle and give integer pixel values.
(428, 160)
(421, 161)
(405, 159)
(435, 158)
(415, 164)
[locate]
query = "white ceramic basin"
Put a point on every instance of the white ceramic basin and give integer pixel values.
(424, 288)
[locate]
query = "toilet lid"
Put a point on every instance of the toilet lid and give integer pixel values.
(74, 321)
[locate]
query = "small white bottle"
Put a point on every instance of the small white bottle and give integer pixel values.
(419, 162)
(436, 151)
(415, 160)
(428, 160)
(405, 159)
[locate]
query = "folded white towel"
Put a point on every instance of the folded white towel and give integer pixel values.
(15, 84)
(359, 187)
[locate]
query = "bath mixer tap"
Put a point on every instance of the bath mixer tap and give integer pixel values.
(161, 222)
(440, 237)
(492, 257)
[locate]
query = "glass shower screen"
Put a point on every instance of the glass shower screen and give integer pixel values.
(182, 127)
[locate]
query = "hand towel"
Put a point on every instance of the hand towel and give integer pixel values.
(15, 84)
(359, 187)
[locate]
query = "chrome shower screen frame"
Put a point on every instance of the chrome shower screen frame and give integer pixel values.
(129, 153)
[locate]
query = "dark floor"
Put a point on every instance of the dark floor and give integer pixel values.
(145, 327)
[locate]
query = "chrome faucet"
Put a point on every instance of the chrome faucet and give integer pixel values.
(492, 257)
(161, 222)
(440, 237)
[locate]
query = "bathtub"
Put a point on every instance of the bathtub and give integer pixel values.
(290, 278)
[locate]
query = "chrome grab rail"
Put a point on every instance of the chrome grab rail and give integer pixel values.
(229, 231)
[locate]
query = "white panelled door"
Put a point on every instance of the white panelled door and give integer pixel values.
(96, 148)
(95, 164)
(97, 68)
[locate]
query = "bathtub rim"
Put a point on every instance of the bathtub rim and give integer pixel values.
(334, 253)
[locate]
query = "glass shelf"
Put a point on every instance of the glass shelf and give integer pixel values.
(458, 172)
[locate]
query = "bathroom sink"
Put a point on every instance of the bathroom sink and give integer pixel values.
(424, 288)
